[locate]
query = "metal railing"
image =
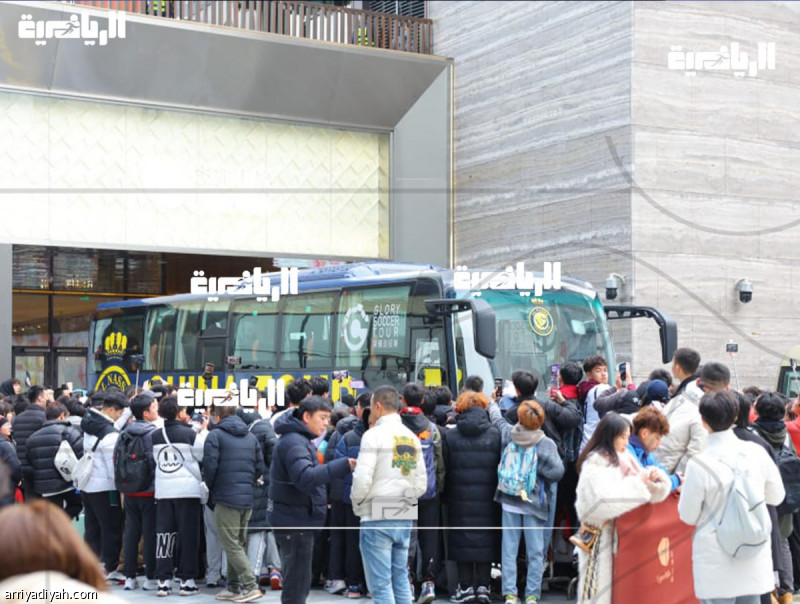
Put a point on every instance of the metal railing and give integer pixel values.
(291, 18)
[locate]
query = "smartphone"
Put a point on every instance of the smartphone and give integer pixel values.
(623, 372)
(731, 347)
(554, 369)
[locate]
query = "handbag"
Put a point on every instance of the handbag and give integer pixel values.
(65, 459)
(586, 537)
(82, 471)
(204, 492)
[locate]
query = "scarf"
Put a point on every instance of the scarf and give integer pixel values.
(569, 391)
(628, 464)
(410, 411)
(584, 388)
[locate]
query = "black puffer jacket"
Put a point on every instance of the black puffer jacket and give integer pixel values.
(297, 494)
(41, 452)
(265, 435)
(232, 462)
(343, 427)
(8, 456)
(25, 424)
(559, 420)
(472, 453)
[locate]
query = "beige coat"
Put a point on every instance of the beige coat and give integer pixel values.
(604, 494)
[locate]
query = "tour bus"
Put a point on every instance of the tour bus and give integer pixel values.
(360, 326)
(788, 373)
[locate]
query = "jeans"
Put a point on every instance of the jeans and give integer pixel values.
(737, 600)
(552, 501)
(514, 527)
(384, 550)
(296, 548)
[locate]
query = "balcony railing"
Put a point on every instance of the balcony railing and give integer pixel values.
(287, 17)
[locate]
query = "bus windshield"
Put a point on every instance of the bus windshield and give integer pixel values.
(535, 333)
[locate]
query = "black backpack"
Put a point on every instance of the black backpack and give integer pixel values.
(789, 466)
(134, 467)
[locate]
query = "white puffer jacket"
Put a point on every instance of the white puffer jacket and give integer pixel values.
(687, 436)
(102, 476)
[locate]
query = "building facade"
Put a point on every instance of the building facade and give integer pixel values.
(580, 138)
(220, 135)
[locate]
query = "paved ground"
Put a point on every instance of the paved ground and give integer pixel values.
(206, 596)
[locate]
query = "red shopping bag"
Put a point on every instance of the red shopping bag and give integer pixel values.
(654, 556)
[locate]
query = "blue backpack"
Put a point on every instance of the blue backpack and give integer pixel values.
(516, 474)
(426, 440)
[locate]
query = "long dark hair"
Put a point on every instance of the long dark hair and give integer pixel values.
(602, 441)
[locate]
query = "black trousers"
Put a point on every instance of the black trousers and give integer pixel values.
(103, 523)
(344, 561)
(474, 574)
(70, 502)
(428, 536)
(337, 551)
(296, 549)
(179, 523)
(140, 523)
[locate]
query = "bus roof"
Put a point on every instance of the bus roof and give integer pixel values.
(362, 273)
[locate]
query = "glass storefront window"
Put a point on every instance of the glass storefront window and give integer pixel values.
(71, 316)
(29, 318)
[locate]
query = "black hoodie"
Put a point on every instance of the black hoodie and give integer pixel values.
(232, 462)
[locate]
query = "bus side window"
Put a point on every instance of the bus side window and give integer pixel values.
(187, 336)
(160, 339)
(306, 331)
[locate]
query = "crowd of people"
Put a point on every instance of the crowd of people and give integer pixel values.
(396, 495)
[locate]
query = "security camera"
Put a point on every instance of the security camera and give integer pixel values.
(745, 289)
(613, 283)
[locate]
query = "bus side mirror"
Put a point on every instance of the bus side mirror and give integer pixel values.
(483, 320)
(667, 329)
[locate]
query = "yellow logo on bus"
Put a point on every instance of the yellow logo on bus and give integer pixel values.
(540, 321)
(115, 345)
(113, 376)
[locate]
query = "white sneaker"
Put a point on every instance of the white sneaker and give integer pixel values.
(164, 589)
(336, 587)
(115, 577)
(130, 583)
(150, 585)
(188, 588)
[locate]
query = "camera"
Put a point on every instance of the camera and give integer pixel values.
(614, 282)
(611, 288)
(137, 360)
(745, 289)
